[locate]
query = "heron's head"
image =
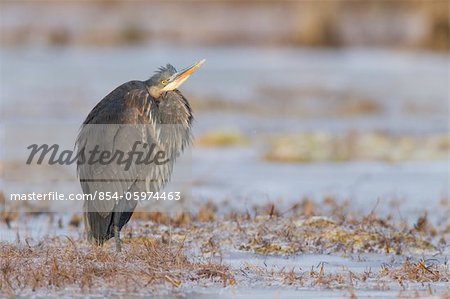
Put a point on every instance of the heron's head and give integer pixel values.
(167, 78)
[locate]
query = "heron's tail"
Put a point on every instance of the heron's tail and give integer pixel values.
(100, 225)
(97, 226)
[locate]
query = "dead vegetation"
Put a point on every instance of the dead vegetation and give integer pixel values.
(59, 263)
(163, 251)
(319, 276)
(222, 138)
(421, 271)
(375, 146)
(305, 227)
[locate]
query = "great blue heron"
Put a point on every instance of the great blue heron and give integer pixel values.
(152, 111)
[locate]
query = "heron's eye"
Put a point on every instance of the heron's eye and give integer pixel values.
(163, 82)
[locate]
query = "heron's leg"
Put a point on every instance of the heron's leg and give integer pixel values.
(117, 238)
(117, 231)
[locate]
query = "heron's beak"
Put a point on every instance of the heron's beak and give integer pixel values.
(178, 78)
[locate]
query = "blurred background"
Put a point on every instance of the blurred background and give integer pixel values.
(297, 99)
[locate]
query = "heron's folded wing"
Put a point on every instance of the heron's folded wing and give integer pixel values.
(117, 134)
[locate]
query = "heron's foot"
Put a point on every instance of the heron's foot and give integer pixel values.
(117, 239)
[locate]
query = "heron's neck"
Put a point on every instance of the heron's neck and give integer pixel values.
(153, 88)
(154, 91)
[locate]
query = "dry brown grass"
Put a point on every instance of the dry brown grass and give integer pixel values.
(319, 276)
(222, 138)
(206, 213)
(170, 251)
(57, 264)
(374, 146)
(417, 272)
(305, 227)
